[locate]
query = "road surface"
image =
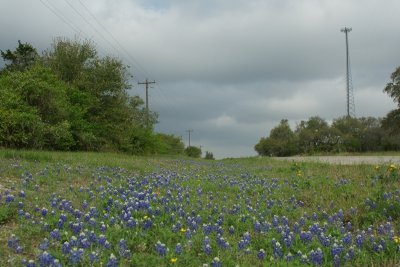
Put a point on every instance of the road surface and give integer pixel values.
(346, 160)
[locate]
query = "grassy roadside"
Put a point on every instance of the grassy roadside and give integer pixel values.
(367, 195)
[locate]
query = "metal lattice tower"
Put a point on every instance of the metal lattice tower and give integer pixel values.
(349, 85)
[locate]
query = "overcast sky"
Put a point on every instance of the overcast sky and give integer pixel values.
(230, 70)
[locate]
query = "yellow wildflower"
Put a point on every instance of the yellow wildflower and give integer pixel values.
(173, 260)
(392, 167)
(183, 230)
(396, 239)
(145, 217)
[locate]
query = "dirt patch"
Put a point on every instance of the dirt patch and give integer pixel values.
(346, 160)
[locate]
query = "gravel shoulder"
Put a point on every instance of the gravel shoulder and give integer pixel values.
(345, 160)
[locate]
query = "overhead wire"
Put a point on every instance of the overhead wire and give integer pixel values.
(142, 69)
(59, 14)
(165, 104)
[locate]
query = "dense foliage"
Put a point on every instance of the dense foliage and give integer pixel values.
(70, 98)
(315, 136)
(193, 151)
(345, 134)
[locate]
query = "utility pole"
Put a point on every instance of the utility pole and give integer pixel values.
(349, 87)
(147, 98)
(189, 131)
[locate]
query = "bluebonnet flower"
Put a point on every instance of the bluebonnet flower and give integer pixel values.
(56, 263)
(178, 249)
(102, 239)
(44, 245)
(76, 255)
(257, 226)
(306, 237)
(21, 193)
(45, 259)
(74, 241)
(103, 227)
(316, 256)
(66, 248)
(131, 223)
(347, 239)
(122, 244)
(44, 212)
(107, 245)
(261, 254)
(247, 238)
(242, 244)
(161, 249)
(285, 220)
(9, 198)
(13, 241)
(31, 263)
(207, 249)
(289, 257)
(275, 220)
(336, 260)
(93, 257)
(112, 262)
(207, 229)
(216, 262)
(336, 249)
(277, 248)
(359, 240)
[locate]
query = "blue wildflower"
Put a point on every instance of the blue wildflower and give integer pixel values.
(178, 249)
(45, 259)
(261, 254)
(316, 256)
(76, 255)
(216, 262)
(112, 262)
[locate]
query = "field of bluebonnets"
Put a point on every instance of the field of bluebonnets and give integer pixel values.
(88, 209)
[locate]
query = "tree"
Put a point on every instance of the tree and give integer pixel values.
(34, 110)
(281, 142)
(315, 135)
(391, 122)
(209, 155)
(24, 56)
(112, 120)
(193, 151)
(393, 88)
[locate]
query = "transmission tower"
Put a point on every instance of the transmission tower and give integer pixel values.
(349, 84)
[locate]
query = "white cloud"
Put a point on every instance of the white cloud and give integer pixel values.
(231, 69)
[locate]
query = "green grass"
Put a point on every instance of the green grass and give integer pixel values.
(240, 191)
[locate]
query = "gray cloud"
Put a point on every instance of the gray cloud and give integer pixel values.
(231, 70)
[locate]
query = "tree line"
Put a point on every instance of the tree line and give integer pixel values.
(71, 98)
(345, 134)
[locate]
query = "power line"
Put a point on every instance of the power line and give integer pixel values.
(60, 15)
(141, 68)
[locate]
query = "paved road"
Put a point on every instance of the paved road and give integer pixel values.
(346, 160)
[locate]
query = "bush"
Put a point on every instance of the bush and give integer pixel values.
(193, 151)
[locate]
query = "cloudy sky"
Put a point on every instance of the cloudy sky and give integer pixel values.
(230, 70)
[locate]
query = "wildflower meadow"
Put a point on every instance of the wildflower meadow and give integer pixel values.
(99, 209)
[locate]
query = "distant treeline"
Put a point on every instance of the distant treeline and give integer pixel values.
(70, 98)
(345, 134)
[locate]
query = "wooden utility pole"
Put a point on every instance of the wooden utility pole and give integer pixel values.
(189, 131)
(147, 91)
(147, 98)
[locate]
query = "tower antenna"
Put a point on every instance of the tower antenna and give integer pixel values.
(349, 84)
